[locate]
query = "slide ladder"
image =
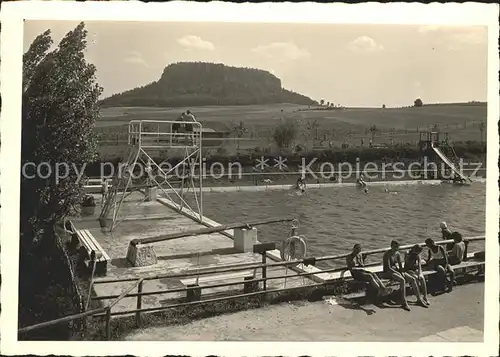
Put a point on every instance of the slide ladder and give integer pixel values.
(449, 163)
(120, 182)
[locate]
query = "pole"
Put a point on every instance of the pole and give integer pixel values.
(108, 323)
(264, 270)
(139, 305)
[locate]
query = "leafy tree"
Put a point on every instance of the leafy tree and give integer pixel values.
(322, 102)
(313, 127)
(383, 106)
(418, 103)
(239, 131)
(60, 107)
(285, 133)
(482, 127)
(373, 129)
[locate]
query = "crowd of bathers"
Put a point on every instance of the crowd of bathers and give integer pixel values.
(409, 269)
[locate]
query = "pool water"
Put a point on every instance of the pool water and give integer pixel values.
(333, 219)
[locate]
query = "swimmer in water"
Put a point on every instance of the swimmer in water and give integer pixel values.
(366, 190)
(361, 181)
(301, 184)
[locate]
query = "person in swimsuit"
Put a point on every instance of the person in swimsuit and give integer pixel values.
(104, 190)
(413, 270)
(457, 254)
(301, 185)
(393, 270)
(446, 234)
(361, 181)
(355, 265)
(177, 126)
(437, 260)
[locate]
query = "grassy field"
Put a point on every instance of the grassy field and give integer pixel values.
(318, 128)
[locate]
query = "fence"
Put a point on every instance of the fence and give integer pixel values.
(107, 313)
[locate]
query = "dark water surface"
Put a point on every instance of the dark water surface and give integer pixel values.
(333, 219)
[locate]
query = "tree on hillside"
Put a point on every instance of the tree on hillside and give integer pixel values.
(482, 127)
(383, 106)
(418, 103)
(285, 133)
(313, 127)
(239, 131)
(60, 106)
(373, 129)
(322, 102)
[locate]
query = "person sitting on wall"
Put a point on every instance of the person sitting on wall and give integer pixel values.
(189, 117)
(177, 126)
(437, 260)
(446, 235)
(355, 265)
(413, 271)
(393, 270)
(457, 254)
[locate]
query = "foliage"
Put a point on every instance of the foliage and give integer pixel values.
(200, 83)
(285, 133)
(418, 103)
(88, 201)
(60, 107)
(373, 129)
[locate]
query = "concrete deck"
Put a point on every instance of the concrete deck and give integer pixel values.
(149, 219)
(453, 317)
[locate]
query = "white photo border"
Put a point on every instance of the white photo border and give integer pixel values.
(14, 13)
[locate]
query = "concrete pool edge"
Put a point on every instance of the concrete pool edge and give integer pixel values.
(256, 188)
(319, 276)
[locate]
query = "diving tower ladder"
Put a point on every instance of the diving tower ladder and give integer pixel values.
(147, 140)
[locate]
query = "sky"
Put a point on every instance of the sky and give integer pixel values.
(351, 65)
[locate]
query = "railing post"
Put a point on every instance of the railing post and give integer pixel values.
(139, 305)
(262, 248)
(108, 324)
(264, 270)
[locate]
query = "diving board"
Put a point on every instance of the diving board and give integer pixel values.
(449, 163)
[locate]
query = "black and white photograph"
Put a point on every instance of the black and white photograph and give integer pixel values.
(227, 178)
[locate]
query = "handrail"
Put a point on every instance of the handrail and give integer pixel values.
(106, 311)
(60, 320)
(124, 294)
(268, 265)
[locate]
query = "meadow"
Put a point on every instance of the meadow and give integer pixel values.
(319, 129)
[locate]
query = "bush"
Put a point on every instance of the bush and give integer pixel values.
(88, 201)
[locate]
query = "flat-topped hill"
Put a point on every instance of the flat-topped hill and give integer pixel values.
(201, 83)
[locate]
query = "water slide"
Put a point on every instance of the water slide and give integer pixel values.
(449, 163)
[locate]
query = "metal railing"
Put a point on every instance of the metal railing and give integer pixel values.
(107, 313)
(157, 134)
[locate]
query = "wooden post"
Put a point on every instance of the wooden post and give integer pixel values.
(262, 248)
(108, 324)
(139, 305)
(264, 270)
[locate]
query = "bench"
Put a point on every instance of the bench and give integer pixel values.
(91, 248)
(196, 283)
(464, 268)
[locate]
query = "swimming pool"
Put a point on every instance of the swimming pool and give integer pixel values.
(333, 219)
